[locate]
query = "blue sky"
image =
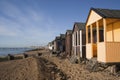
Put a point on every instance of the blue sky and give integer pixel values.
(36, 22)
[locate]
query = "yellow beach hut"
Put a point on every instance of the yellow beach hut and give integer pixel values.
(103, 35)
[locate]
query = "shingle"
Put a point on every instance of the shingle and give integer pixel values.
(69, 31)
(80, 25)
(57, 38)
(62, 36)
(107, 13)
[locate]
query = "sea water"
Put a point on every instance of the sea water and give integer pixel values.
(6, 51)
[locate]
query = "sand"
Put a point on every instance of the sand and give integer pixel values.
(47, 67)
(78, 71)
(25, 69)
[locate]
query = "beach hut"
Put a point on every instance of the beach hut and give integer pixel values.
(68, 42)
(102, 35)
(51, 45)
(62, 43)
(79, 40)
(57, 43)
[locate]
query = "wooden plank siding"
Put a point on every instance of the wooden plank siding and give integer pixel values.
(107, 47)
(68, 43)
(79, 40)
(112, 52)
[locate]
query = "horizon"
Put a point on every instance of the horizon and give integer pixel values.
(26, 23)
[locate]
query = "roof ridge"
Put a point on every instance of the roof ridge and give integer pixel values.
(107, 13)
(105, 8)
(79, 22)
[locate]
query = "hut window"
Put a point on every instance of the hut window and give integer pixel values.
(89, 37)
(101, 34)
(76, 38)
(94, 36)
(94, 33)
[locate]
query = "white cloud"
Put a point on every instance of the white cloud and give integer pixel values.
(6, 32)
(31, 25)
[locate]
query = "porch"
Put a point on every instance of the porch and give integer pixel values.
(103, 41)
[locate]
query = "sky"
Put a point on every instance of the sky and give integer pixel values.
(26, 23)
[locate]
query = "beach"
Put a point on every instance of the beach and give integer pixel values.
(48, 67)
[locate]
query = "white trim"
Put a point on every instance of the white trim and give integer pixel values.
(77, 39)
(73, 39)
(104, 25)
(75, 43)
(80, 43)
(75, 50)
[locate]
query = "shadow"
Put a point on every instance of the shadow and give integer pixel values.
(50, 70)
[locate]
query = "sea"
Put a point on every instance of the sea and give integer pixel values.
(6, 51)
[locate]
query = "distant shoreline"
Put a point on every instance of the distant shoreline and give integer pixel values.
(13, 51)
(19, 53)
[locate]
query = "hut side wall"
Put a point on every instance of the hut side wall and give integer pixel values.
(112, 52)
(68, 42)
(101, 52)
(89, 53)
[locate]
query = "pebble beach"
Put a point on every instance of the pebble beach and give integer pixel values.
(48, 67)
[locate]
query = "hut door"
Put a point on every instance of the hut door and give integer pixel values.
(94, 42)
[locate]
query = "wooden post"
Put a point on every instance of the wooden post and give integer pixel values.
(77, 39)
(78, 54)
(97, 24)
(113, 33)
(25, 55)
(81, 43)
(73, 39)
(10, 57)
(75, 43)
(104, 25)
(91, 31)
(91, 36)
